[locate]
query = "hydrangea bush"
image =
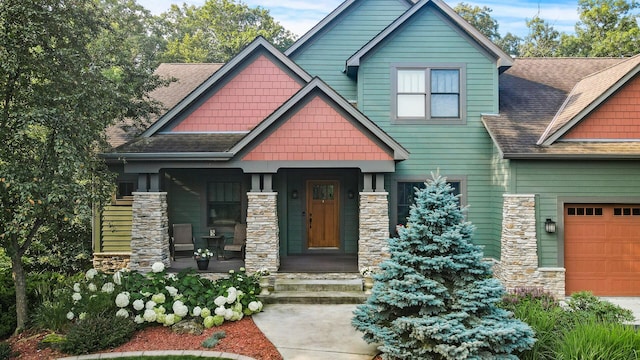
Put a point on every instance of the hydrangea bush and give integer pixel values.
(160, 298)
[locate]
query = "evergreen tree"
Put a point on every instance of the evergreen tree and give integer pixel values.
(435, 298)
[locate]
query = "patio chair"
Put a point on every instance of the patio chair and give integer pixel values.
(239, 240)
(182, 240)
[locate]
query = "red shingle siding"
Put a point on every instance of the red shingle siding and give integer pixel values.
(617, 118)
(317, 132)
(244, 101)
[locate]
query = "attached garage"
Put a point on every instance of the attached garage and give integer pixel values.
(602, 249)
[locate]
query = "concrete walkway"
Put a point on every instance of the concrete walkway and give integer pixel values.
(314, 332)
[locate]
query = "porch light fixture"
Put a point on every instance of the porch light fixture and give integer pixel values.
(350, 194)
(550, 226)
(294, 194)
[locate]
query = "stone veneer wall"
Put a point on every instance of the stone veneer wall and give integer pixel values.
(518, 265)
(149, 231)
(373, 238)
(263, 233)
(111, 262)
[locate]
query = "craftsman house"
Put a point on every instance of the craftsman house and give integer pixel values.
(317, 150)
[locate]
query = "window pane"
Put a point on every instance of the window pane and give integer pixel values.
(411, 105)
(445, 81)
(443, 105)
(406, 197)
(411, 81)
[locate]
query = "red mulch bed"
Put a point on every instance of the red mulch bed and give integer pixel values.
(243, 337)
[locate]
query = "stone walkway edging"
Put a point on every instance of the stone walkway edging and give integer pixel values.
(200, 353)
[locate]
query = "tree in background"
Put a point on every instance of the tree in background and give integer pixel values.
(542, 41)
(480, 18)
(68, 72)
(435, 297)
(217, 31)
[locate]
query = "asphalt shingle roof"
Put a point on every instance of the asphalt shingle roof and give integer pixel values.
(533, 91)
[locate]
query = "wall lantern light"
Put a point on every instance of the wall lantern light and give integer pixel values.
(350, 194)
(294, 194)
(550, 226)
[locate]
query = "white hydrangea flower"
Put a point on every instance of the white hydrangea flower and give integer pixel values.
(92, 287)
(138, 319)
(220, 310)
(253, 306)
(150, 305)
(196, 311)
(117, 277)
(149, 315)
(122, 313)
(70, 315)
(76, 287)
(157, 267)
(180, 309)
(172, 291)
(231, 298)
(146, 294)
(170, 319)
(236, 316)
(160, 310)
(82, 316)
(76, 297)
(220, 301)
(122, 299)
(159, 298)
(138, 304)
(91, 273)
(108, 288)
(228, 314)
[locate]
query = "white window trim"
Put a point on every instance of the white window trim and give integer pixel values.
(461, 120)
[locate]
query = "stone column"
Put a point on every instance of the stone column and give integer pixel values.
(149, 231)
(518, 265)
(263, 233)
(374, 228)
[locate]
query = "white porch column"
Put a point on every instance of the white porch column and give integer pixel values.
(263, 233)
(149, 231)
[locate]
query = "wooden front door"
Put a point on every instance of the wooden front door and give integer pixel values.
(323, 209)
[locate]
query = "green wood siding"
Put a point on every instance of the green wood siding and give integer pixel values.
(115, 228)
(575, 181)
(455, 150)
(293, 224)
(326, 55)
(187, 198)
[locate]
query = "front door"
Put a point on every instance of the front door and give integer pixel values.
(323, 220)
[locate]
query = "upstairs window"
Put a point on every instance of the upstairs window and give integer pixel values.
(407, 194)
(428, 93)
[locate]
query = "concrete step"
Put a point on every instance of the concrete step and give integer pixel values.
(316, 291)
(317, 285)
(314, 297)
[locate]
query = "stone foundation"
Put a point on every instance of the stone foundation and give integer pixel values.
(149, 231)
(518, 265)
(110, 262)
(263, 233)
(374, 229)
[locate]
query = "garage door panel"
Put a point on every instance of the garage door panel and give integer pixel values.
(602, 249)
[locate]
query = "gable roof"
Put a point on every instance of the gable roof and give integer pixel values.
(502, 59)
(259, 44)
(586, 95)
(326, 22)
(186, 77)
(399, 152)
(532, 92)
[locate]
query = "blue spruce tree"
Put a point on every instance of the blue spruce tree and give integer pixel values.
(435, 297)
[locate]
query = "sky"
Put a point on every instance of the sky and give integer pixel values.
(299, 16)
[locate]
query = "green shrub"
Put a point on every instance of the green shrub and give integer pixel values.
(97, 333)
(213, 340)
(7, 304)
(587, 306)
(5, 351)
(594, 340)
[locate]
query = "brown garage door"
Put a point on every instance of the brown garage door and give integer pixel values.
(602, 249)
